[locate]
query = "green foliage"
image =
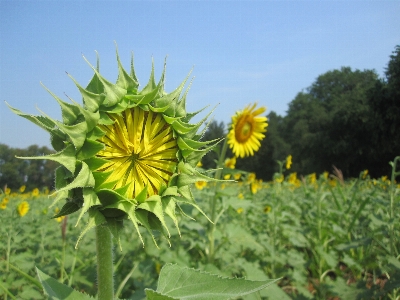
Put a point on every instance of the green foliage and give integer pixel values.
(324, 239)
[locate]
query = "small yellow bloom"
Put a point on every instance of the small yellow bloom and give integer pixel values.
(6, 200)
(230, 162)
(3, 205)
(255, 186)
(288, 162)
(384, 178)
(325, 175)
(22, 189)
(59, 219)
(200, 184)
(267, 209)
(7, 191)
(240, 196)
(237, 176)
(279, 178)
(333, 182)
(312, 178)
(247, 130)
(35, 192)
(239, 210)
(364, 174)
(227, 176)
(252, 177)
(199, 164)
(23, 208)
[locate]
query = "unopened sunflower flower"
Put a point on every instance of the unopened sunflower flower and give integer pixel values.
(247, 130)
(288, 162)
(125, 153)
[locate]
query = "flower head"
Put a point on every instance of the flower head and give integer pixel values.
(288, 162)
(23, 208)
(125, 153)
(247, 130)
(230, 162)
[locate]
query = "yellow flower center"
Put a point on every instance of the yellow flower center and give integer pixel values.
(141, 151)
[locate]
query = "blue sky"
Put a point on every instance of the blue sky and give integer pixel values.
(241, 51)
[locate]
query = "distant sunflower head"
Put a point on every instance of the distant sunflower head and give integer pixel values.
(247, 130)
(125, 153)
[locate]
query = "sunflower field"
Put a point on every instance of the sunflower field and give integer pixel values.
(134, 215)
(325, 238)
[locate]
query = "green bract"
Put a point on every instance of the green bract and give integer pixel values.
(80, 139)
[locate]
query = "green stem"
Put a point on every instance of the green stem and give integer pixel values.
(105, 280)
(392, 188)
(213, 203)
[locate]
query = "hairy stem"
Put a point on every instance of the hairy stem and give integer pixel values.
(105, 280)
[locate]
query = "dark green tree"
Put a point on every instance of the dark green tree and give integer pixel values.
(329, 124)
(15, 172)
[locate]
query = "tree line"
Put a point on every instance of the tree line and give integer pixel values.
(347, 118)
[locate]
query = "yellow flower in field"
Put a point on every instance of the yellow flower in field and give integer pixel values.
(333, 182)
(364, 174)
(325, 175)
(230, 162)
(35, 192)
(240, 196)
(288, 162)
(125, 153)
(199, 164)
(237, 176)
(58, 219)
(251, 177)
(239, 210)
(227, 176)
(23, 208)
(312, 178)
(294, 180)
(22, 189)
(7, 191)
(6, 200)
(3, 204)
(267, 209)
(200, 184)
(384, 178)
(279, 178)
(247, 131)
(255, 186)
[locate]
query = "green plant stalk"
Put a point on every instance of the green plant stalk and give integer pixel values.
(393, 249)
(213, 203)
(105, 279)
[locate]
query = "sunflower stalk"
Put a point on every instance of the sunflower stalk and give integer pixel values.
(213, 203)
(105, 276)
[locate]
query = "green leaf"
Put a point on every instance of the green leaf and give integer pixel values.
(57, 290)
(184, 283)
(76, 133)
(96, 218)
(65, 157)
(68, 208)
(89, 149)
(83, 179)
(90, 199)
(153, 295)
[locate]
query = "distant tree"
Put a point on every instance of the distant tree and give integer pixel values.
(15, 172)
(329, 124)
(384, 101)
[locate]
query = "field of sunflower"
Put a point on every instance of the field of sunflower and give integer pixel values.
(134, 215)
(325, 238)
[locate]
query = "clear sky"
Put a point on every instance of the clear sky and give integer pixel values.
(241, 51)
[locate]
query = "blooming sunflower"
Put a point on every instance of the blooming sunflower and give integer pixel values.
(247, 130)
(125, 153)
(23, 208)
